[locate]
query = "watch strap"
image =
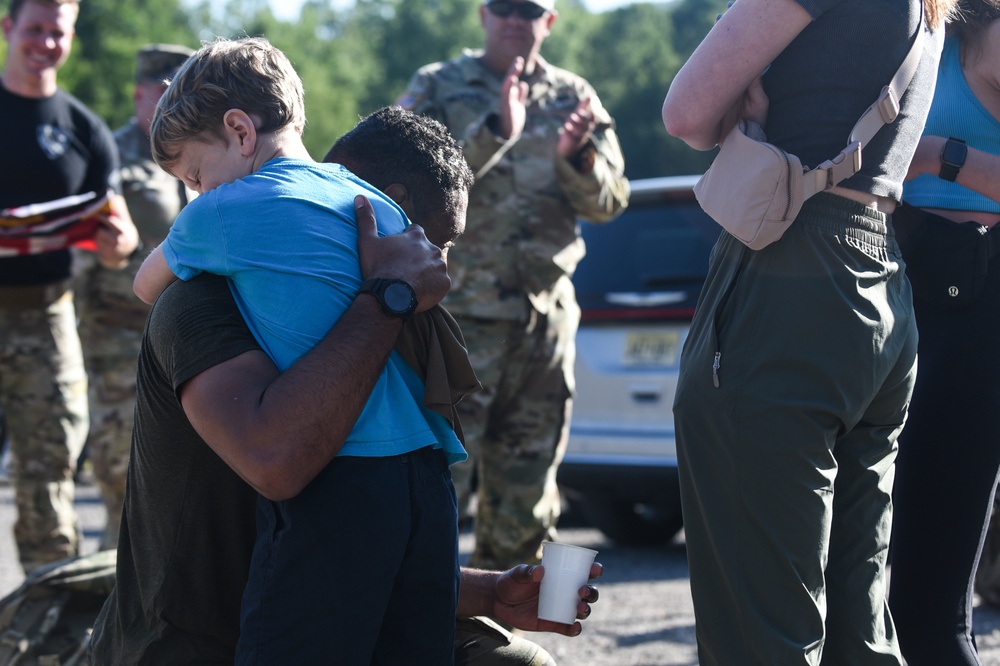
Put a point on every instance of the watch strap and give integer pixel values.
(952, 159)
(370, 286)
(377, 287)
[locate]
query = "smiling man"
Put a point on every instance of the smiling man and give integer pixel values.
(53, 147)
(545, 154)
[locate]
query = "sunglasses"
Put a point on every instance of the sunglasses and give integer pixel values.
(529, 11)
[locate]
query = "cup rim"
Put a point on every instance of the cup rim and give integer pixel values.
(569, 545)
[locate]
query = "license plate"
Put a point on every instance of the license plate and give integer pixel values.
(652, 348)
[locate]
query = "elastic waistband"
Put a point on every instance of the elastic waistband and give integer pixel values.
(834, 213)
(35, 295)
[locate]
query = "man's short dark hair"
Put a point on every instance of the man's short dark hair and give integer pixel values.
(393, 145)
(15, 5)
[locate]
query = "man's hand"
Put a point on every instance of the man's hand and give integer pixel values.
(408, 256)
(516, 600)
(513, 101)
(577, 130)
(116, 237)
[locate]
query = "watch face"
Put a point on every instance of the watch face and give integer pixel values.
(954, 153)
(397, 297)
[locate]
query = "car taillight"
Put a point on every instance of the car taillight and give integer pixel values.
(591, 315)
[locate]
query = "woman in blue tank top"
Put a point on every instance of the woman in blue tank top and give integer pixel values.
(949, 452)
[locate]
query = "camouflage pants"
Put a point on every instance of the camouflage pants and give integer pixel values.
(112, 403)
(112, 319)
(43, 390)
(481, 642)
(515, 431)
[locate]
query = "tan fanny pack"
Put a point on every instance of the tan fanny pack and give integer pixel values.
(755, 189)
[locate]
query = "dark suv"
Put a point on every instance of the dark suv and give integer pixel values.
(637, 288)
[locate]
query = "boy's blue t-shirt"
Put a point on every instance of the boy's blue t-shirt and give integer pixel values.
(286, 238)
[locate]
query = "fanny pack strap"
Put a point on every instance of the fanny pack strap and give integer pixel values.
(882, 112)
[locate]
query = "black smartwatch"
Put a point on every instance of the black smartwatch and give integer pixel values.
(395, 297)
(952, 159)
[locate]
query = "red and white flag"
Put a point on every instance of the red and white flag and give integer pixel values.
(52, 225)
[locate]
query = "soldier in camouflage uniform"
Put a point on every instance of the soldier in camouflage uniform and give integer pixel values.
(53, 147)
(111, 316)
(544, 153)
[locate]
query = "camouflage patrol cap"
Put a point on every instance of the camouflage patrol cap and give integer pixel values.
(546, 4)
(157, 62)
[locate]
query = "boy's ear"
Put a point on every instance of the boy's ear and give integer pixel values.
(239, 127)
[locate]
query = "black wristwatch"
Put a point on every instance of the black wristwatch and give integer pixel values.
(395, 297)
(952, 159)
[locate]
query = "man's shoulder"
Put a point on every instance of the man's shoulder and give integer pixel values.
(208, 290)
(445, 82)
(129, 131)
(80, 109)
(129, 140)
(464, 66)
(194, 325)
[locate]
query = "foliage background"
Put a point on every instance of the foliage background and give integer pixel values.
(355, 60)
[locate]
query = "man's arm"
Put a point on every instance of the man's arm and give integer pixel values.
(279, 430)
(511, 597)
(590, 164)
(116, 237)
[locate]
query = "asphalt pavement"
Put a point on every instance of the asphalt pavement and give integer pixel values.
(644, 616)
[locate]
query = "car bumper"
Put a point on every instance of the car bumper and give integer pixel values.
(652, 481)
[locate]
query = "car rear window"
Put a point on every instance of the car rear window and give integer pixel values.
(651, 261)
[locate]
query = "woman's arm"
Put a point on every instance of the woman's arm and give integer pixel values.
(704, 99)
(153, 277)
(979, 173)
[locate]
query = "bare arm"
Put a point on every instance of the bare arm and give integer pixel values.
(978, 174)
(153, 276)
(511, 597)
(704, 99)
(278, 430)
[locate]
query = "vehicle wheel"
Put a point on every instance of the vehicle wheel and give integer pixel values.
(631, 524)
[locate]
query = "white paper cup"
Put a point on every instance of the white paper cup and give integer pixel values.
(567, 569)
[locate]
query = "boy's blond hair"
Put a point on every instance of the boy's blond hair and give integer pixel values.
(249, 74)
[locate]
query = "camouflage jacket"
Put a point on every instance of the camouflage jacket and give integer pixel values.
(154, 197)
(521, 244)
(107, 307)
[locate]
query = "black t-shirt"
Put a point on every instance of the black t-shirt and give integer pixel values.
(824, 80)
(188, 527)
(52, 147)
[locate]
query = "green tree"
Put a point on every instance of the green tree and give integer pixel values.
(101, 68)
(337, 66)
(631, 59)
(357, 59)
(572, 38)
(416, 33)
(692, 21)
